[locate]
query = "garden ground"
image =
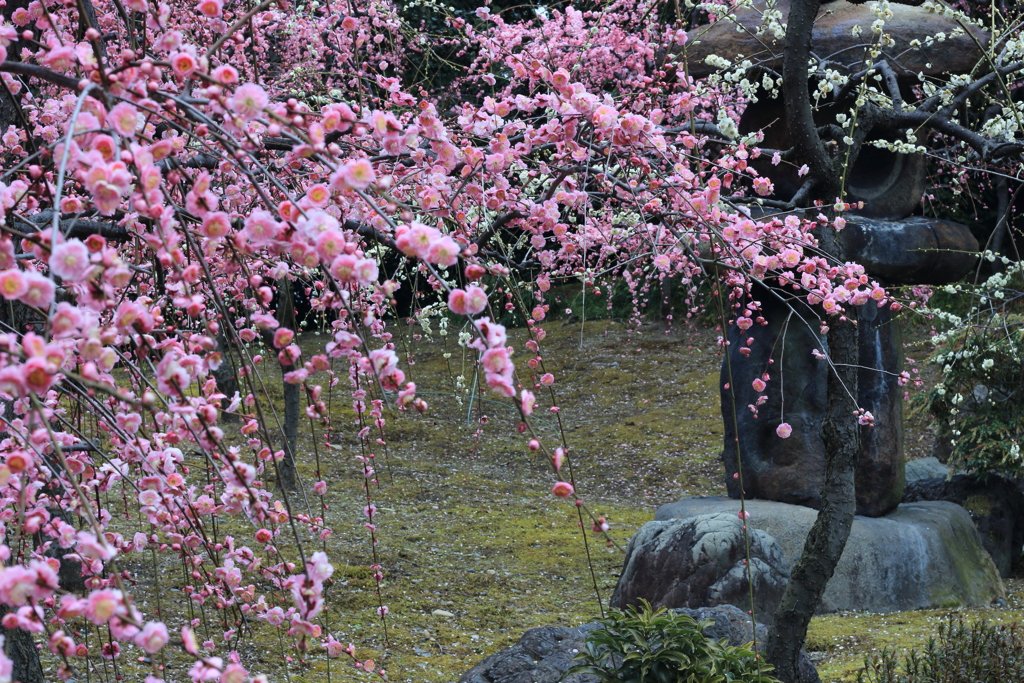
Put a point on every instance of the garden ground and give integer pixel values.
(469, 526)
(475, 548)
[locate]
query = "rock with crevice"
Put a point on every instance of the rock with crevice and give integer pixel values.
(701, 562)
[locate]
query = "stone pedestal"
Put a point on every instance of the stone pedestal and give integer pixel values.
(792, 470)
(914, 250)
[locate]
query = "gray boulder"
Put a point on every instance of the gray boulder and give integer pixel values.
(995, 504)
(544, 654)
(923, 555)
(700, 562)
(925, 468)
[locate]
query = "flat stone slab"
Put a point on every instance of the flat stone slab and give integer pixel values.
(922, 555)
(925, 468)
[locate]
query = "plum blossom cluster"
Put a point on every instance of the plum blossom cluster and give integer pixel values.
(165, 195)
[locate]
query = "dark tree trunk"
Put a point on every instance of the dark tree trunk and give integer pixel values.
(840, 431)
(827, 538)
(9, 107)
(292, 399)
(18, 645)
(69, 575)
(21, 650)
(227, 378)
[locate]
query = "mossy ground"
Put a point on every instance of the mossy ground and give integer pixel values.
(839, 642)
(467, 524)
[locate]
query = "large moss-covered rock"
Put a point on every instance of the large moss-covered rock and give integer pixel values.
(922, 555)
(701, 562)
(995, 504)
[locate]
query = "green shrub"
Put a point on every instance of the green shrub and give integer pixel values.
(979, 653)
(976, 401)
(646, 646)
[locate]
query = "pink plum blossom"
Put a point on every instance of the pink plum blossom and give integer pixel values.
(13, 284)
(40, 290)
(357, 175)
(101, 605)
(152, 637)
(183, 63)
(249, 100)
(210, 8)
(70, 260)
(124, 119)
(563, 489)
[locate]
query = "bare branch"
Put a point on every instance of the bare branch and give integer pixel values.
(74, 227)
(698, 128)
(891, 83)
(284, 144)
(498, 223)
(986, 148)
(797, 97)
(798, 200)
(932, 103)
(372, 233)
(198, 161)
(40, 72)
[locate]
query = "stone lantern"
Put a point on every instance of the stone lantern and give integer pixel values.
(895, 247)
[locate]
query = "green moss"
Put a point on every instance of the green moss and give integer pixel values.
(468, 525)
(840, 642)
(979, 505)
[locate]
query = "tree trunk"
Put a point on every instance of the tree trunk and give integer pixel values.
(840, 431)
(18, 644)
(827, 537)
(291, 433)
(8, 106)
(227, 379)
(20, 648)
